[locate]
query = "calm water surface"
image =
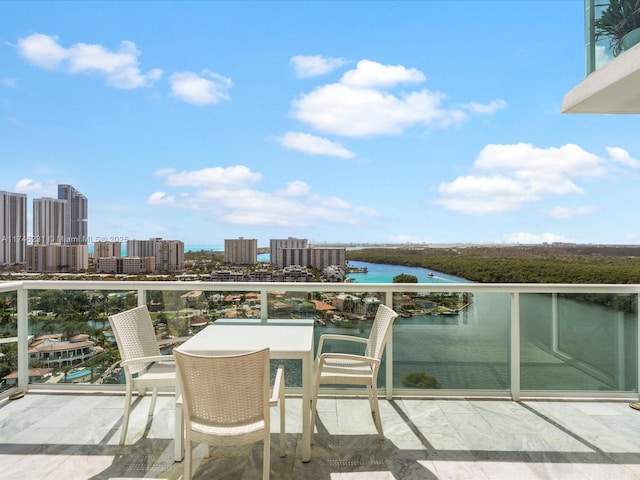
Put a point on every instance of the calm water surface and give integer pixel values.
(383, 273)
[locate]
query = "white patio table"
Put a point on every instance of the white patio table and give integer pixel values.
(286, 339)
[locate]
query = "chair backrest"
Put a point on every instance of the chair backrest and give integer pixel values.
(225, 390)
(380, 331)
(135, 335)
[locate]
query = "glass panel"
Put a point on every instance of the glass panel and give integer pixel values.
(8, 314)
(334, 313)
(8, 341)
(70, 338)
(579, 342)
(178, 314)
(452, 341)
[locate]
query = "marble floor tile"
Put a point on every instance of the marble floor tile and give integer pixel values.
(74, 436)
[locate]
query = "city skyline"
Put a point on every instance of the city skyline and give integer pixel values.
(341, 122)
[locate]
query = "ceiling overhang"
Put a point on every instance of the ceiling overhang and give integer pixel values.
(613, 88)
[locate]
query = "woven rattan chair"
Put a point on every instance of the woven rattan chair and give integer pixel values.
(144, 366)
(350, 369)
(226, 401)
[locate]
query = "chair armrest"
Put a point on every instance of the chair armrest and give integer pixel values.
(278, 386)
(346, 338)
(153, 359)
(348, 356)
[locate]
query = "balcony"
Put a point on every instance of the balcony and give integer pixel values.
(611, 82)
(524, 380)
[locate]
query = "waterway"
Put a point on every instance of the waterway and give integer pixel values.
(383, 273)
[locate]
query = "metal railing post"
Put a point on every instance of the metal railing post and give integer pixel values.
(515, 346)
(264, 304)
(23, 339)
(389, 352)
(142, 298)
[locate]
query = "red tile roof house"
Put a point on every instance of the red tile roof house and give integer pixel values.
(57, 353)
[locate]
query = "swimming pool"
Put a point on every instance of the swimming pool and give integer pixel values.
(74, 375)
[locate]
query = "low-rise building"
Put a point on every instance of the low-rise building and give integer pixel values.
(55, 352)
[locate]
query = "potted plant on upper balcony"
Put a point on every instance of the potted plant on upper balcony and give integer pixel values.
(620, 23)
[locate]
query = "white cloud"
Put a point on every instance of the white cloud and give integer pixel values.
(567, 212)
(30, 186)
(42, 50)
(201, 89)
(533, 238)
(368, 74)
(483, 195)
(546, 164)
(120, 68)
(620, 155)
(307, 66)
(9, 82)
(602, 55)
(313, 145)
(161, 198)
(361, 103)
(509, 176)
(227, 177)
(296, 188)
(210, 193)
(490, 108)
(352, 112)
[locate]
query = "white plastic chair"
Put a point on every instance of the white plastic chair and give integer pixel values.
(144, 366)
(350, 369)
(226, 401)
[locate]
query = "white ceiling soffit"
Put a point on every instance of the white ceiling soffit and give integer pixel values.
(613, 88)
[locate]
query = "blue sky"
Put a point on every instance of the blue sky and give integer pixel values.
(420, 121)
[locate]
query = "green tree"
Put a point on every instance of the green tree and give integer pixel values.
(405, 278)
(420, 380)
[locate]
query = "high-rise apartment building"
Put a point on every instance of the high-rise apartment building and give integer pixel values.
(318, 258)
(106, 249)
(126, 265)
(142, 248)
(75, 216)
(241, 251)
(168, 254)
(13, 228)
(288, 257)
(322, 258)
(49, 221)
(276, 244)
(57, 258)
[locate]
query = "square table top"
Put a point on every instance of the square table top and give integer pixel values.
(285, 338)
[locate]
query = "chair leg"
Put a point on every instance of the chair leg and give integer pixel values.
(266, 457)
(314, 408)
(282, 427)
(187, 458)
(154, 397)
(125, 417)
(375, 408)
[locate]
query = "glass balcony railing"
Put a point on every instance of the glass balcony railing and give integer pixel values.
(610, 29)
(513, 340)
